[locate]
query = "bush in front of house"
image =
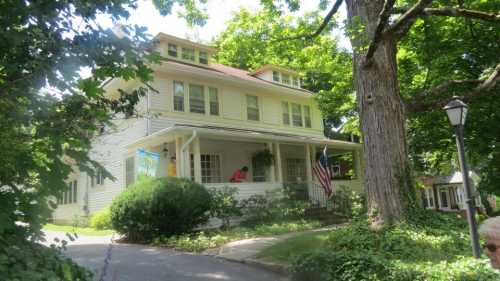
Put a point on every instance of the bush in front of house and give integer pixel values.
(349, 203)
(160, 206)
(224, 204)
(101, 220)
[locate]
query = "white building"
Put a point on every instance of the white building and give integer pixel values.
(212, 118)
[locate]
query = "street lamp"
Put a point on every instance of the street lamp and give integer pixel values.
(457, 111)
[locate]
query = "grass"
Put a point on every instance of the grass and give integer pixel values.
(200, 241)
(78, 230)
(284, 252)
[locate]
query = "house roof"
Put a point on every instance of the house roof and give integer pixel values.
(244, 134)
(235, 73)
(273, 67)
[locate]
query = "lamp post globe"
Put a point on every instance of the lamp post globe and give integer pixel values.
(457, 112)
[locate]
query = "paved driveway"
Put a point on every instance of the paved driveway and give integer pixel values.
(144, 263)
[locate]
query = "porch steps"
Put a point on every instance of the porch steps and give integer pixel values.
(327, 217)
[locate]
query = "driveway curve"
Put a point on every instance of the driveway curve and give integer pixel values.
(144, 263)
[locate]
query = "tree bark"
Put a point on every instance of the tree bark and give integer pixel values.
(382, 115)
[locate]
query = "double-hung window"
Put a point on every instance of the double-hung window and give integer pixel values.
(285, 79)
(210, 168)
(307, 116)
(97, 179)
(203, 58)
(178, 96)
(296, 115)
(172, 50)
(286, 113)
(214, 101)
(188, 54)
(276, 76)
(69, 196)
(252, 108)
(196, 99)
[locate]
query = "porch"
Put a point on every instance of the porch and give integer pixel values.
(210, 156)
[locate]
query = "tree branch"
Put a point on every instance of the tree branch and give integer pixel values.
(454, 12)
(321, 27)
(404, 23)
(485, 85)
(383, 18)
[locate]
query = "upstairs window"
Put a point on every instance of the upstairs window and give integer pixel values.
(307, 116)
(276, 76)
(188, 54)
(203, 58)
(252, 108)
(296, 115)
(172, 50)
(97, 179)
(214, 101)
(286, 113)
(196, 99)
(178, 96)
(285, 79)
(295, 81)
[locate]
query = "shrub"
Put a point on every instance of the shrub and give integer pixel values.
(160, 206)
(21, 259)
(101, 220)
(349, 203)
(224, 204)
(332, 266)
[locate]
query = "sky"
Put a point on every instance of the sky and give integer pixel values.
(219, 12)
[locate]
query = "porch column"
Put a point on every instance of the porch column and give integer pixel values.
(272, 168)
(308, 164)
(313, 154)
(186, 160)
(279, 172)
(197, 160)
(178, 144)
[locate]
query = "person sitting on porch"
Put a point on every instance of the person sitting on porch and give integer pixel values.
(490, 230)
(240, 175)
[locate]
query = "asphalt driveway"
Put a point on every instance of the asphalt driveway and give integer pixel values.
(144, 263)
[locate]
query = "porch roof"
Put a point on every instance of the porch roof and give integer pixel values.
(168, 134)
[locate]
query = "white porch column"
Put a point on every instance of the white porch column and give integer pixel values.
(308, 164)
(178, 144)
(272, 168)
(313, 158)
(279, 172)
(197, 160)
(186, 160)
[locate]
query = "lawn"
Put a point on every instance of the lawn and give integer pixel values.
(287, 250)
(200, 241)
(78, 230)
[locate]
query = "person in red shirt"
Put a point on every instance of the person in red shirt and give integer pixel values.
(240, 175)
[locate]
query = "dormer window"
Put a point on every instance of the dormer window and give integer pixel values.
(172, 50)
(276, 76)
(285, 79)
(188, 54)
(203, 58)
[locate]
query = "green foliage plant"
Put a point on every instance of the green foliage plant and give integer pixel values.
(224, 204)
(101, 220)
(349, 203)
(263, 158)
(166, 206)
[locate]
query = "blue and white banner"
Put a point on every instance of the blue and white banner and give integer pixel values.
(147, 162)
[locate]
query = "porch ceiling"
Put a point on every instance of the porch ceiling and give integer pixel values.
(237, 134)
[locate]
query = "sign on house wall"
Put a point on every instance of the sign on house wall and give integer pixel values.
(147, 162)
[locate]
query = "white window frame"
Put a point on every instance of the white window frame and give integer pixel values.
(176, 50)
(186, 50)
(203, 99)
(307, 117)
(257, 108)
(278, 75)
(285, 115)
(285, 79)
(183, 103)
(205, 57)
(69, 196)
(294, 115)
(210, 112)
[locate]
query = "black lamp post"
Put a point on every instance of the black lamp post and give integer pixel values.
(457, 111)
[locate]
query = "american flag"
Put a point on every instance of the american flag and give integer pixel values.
(322, 172)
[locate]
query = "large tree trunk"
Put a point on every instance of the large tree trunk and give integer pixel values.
(382, 115)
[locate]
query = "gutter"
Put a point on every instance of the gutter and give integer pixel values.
(183, 150)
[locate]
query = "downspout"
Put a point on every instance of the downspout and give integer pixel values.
(183, 150)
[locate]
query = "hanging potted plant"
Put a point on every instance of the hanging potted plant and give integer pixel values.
(263, 158)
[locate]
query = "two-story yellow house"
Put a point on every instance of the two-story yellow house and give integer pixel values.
(208, 120)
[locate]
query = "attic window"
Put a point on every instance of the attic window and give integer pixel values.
(172, 50)
(203, 58)
(276, 76)
(188, 54)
